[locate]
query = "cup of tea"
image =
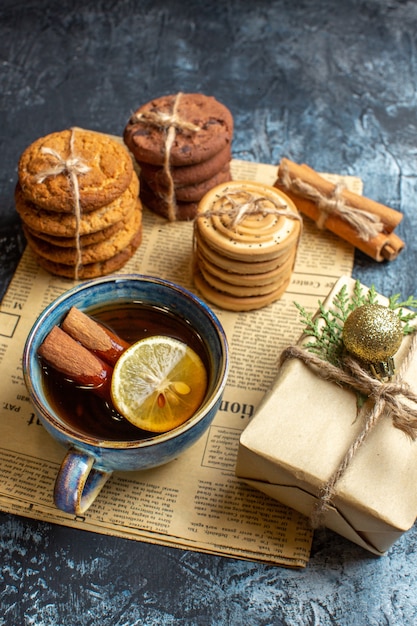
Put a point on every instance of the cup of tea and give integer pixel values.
(132, 306)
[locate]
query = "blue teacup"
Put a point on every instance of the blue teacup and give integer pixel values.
(90, 460)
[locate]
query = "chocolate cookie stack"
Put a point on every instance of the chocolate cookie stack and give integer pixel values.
(77, 196)
(245, 244)
(182, 144)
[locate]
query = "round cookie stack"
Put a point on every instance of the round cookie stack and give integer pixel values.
(245, 241)
(77, 196)
(182, 144)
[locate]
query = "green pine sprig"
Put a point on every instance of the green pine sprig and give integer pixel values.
(398, 305)
(325, 328)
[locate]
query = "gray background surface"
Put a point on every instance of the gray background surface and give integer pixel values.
(329, 83)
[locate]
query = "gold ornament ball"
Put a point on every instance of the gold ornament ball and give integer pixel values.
(373, 333)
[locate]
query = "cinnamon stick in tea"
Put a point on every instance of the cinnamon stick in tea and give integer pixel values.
(364, 223)
(94, 336)
(75, 362)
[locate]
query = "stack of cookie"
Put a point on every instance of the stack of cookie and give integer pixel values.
(77, 196)
(182, 144)
(245, 243)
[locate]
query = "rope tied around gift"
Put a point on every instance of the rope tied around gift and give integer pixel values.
(252, 205)
(72, 167)
(387, 397)
(366, 224)
(170, 123)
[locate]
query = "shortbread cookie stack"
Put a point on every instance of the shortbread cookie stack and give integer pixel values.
(245, 241)
(182, 144)
(77, 196)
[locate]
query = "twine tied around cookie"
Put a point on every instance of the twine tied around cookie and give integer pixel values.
(170, 123)
(387, 397)
(72, 167)
(163, 120)
(252, 205)
(366, 224)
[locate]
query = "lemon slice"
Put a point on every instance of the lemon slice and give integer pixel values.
(158, 383)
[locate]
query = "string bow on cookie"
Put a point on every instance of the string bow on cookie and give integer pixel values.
(170, 123)
(239, 209)
(73, 167)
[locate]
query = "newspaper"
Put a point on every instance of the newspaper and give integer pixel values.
(195, 502)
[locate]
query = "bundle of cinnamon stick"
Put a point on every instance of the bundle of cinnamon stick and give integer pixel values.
(84, 351)
(364, 223)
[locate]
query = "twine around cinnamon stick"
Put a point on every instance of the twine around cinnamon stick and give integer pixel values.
(366, 224)
(386, 396)
(169, 123)
(340, 209)
(72, 167)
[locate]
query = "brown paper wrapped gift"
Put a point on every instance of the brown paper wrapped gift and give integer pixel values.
(302, 431)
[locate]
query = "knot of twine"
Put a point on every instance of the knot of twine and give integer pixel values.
(252, 205)
(163, 120)
(170, 123)
(73, 167)
(387, 397)
(366, 224)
